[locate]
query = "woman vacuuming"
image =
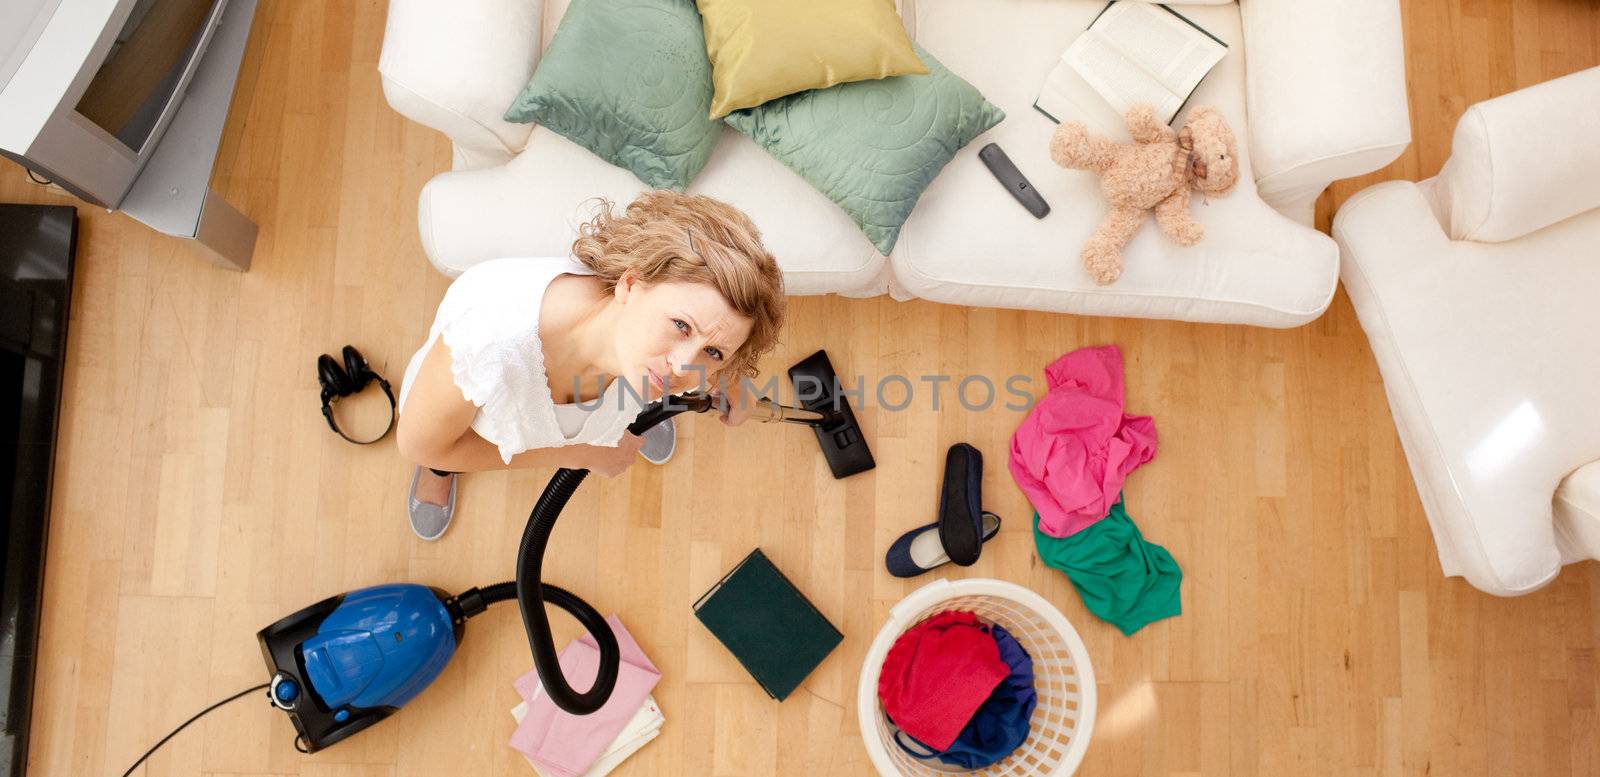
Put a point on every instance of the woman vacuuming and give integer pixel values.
(543, 362)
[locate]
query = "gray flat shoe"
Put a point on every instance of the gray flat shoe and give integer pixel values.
(659, 442)
(429, 520)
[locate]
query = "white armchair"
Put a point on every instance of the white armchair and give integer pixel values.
(1316, 87)
(1478, 290)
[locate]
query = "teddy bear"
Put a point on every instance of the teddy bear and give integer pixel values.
(1158, 170)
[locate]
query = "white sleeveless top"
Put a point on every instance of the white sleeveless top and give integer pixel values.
(489, 319)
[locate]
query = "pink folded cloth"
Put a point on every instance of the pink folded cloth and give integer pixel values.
(1072, 452)
(565, 744)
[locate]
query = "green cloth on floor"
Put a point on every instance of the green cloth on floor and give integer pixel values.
(1123, 579)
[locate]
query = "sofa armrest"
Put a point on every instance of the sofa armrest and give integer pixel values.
(456, 66)
(1326, 90)
(467, 216)
(529, 207)
(1524, 160)
(1577, 508)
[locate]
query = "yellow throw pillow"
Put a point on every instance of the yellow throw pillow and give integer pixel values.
(761, 50)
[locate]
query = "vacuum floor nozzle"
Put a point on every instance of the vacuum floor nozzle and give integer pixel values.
(816, 388)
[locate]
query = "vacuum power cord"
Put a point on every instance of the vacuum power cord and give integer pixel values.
(186, 723)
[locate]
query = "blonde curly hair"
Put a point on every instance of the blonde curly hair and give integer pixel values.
(669, 237)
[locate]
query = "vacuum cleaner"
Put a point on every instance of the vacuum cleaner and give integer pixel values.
(349, 661)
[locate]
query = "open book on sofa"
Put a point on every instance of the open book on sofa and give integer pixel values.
(1132, 52)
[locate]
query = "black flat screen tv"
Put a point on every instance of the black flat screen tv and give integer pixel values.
(37, 243)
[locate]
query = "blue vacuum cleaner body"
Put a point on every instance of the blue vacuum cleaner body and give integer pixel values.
(351, 660)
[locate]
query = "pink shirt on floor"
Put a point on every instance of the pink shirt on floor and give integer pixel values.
(1075, 448)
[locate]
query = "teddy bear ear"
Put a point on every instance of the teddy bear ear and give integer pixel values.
(1202, 111)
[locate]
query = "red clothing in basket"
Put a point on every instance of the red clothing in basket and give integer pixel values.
(937, 675)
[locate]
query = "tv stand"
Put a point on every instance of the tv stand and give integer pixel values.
(173, 193)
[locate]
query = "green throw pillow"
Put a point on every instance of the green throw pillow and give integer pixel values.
(873, 146)
(628, 80)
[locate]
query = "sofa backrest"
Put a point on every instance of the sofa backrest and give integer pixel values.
(1523, 161)
(554, 9)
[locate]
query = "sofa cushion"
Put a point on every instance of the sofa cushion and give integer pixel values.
(629, 81)
(555, 9)
(762, 50)
(969, 242)
(873, 146)
(532, 207)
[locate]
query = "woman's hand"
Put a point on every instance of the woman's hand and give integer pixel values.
(738, 403)
(612, 462)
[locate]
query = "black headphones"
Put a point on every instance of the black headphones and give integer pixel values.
(343, 381)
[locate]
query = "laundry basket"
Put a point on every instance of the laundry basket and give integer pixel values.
(1058, 734)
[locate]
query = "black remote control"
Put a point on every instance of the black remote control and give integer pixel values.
(1012, 178)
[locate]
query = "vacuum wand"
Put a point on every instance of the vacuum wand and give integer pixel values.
(767, 411)
(762, 411)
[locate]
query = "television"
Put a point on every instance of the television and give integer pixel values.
(37, 246)
(88, 86)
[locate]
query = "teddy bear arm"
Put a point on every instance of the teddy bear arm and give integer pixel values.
(1145, 127)
(1072, 147)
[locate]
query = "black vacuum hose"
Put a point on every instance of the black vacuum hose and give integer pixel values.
(499, 592)
(507, 591)
(532, 593)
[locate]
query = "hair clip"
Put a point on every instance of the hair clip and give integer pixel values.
(690, 234)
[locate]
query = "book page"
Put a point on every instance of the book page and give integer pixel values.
(1117, 78)
(1065, 96)
(1160, 44)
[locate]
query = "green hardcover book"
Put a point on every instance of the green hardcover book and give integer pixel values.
(767, 624)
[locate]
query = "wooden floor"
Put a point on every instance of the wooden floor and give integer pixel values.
(198, 496)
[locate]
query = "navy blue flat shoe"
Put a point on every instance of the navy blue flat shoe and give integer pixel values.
(961, 504)
(920, 550)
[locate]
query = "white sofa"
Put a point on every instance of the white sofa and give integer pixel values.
(1316, 87)
(1480, 292)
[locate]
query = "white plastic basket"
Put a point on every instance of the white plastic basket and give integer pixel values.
(1058, 733)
